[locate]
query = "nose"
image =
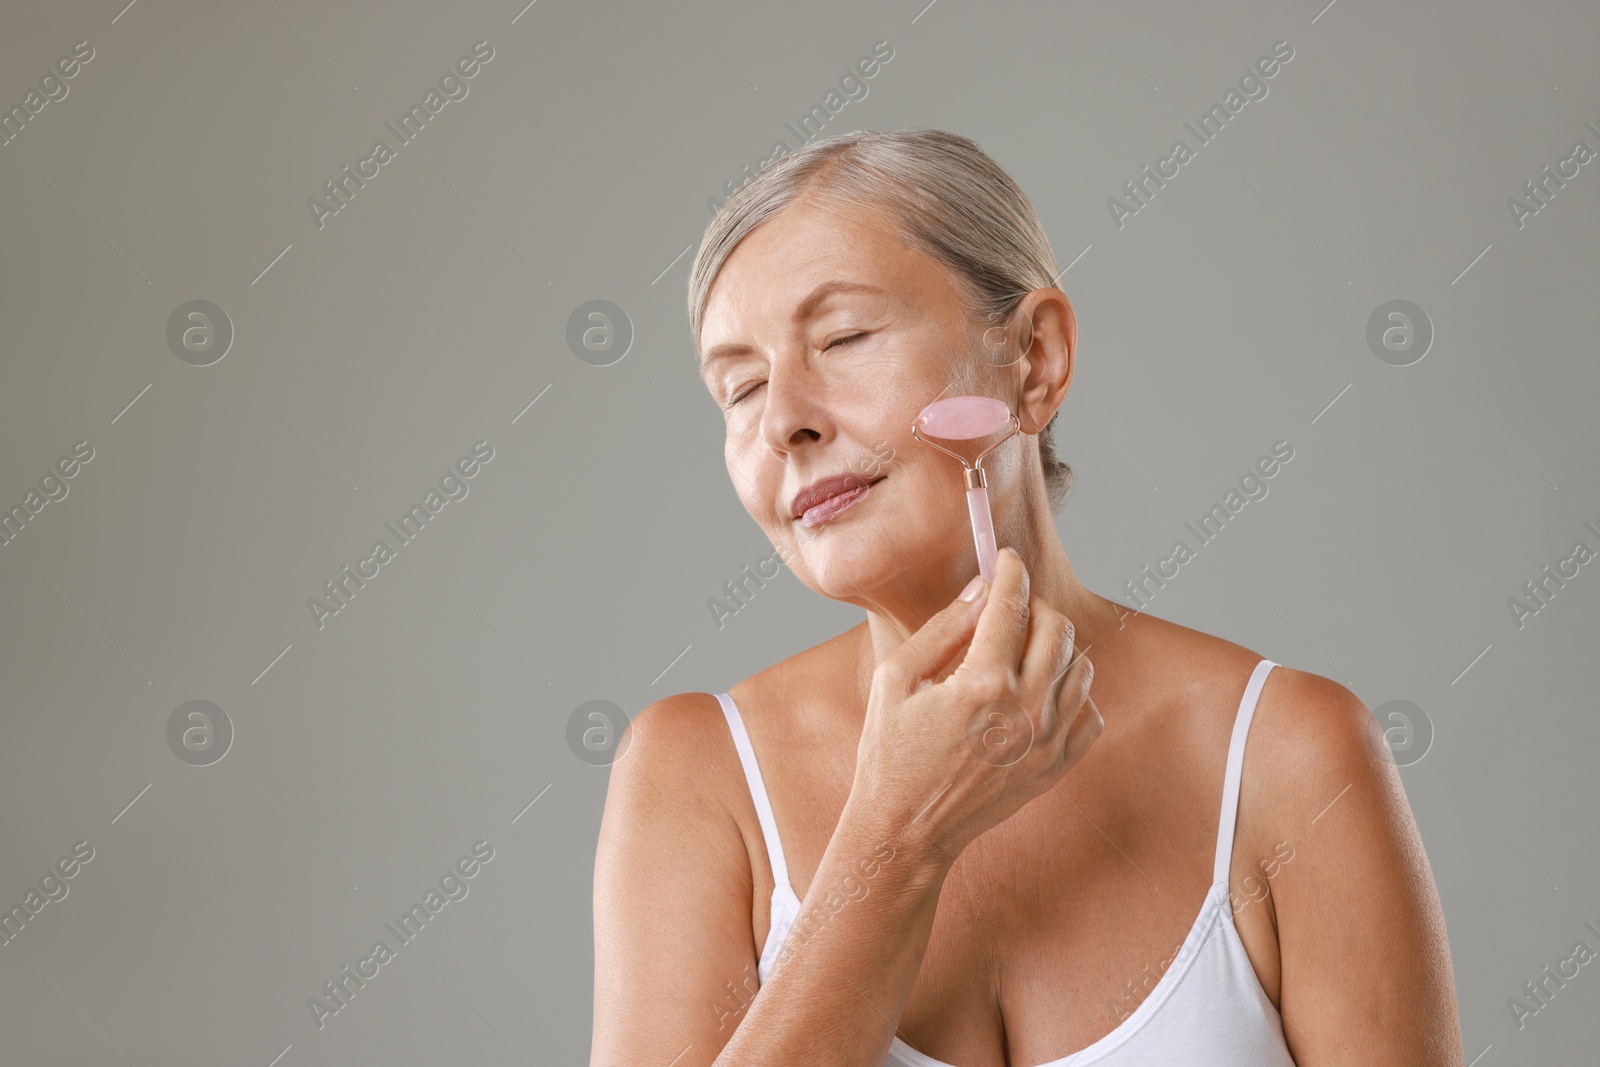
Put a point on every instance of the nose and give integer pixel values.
(795, 408)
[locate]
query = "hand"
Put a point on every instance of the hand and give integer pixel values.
(946, 760)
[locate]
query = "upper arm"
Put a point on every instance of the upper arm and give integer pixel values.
(675, 963)
(1365, 964)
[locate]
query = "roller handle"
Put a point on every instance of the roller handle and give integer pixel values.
(982, 531)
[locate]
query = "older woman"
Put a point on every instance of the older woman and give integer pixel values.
(920, 842)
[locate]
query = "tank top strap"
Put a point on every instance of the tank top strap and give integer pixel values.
(758, 793)
(1230, 780)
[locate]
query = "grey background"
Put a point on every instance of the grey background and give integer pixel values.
(432, 711)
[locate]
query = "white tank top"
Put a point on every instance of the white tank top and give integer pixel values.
(1207, 1010)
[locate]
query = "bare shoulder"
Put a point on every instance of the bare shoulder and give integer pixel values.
(1356, 914)
(675, 751)
(668, 799)
(666, 726)
(679, 750)
(1306, 730)
(1313, 740)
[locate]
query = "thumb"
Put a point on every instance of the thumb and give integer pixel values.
(926, 653)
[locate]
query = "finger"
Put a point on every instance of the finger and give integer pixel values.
(1083, 732)
(1045, 659)
(1068, 693)
(926, 653)
(1002, 628)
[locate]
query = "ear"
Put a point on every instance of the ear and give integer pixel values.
(1049, 360)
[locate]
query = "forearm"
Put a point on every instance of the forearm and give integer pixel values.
(845, 972)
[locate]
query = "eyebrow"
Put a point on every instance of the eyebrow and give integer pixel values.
(802, 311)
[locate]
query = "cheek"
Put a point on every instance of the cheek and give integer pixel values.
(757, 480)
(744, 465)
(938, 481)
(927, 504)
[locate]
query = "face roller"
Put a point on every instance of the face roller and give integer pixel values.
(970, 418)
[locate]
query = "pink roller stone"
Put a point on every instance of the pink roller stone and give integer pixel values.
(964, 418)
(968, 418)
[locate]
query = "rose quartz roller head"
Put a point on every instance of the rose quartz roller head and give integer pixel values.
(970, 418)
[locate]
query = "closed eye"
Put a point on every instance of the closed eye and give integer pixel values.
(831, 344)
(731, 404)
(735, 401)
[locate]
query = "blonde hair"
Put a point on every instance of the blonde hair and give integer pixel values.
(942, 194)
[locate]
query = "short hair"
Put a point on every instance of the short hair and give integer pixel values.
(942, 194)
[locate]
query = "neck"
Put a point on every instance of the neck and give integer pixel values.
(1095, 619)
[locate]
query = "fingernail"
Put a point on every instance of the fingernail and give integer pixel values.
(1013, 551)
(973, 589)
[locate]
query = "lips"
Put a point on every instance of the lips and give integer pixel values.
(825, 488)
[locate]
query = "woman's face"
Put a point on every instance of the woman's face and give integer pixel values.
(824, 336)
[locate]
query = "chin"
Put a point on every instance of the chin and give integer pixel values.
(846, 568)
